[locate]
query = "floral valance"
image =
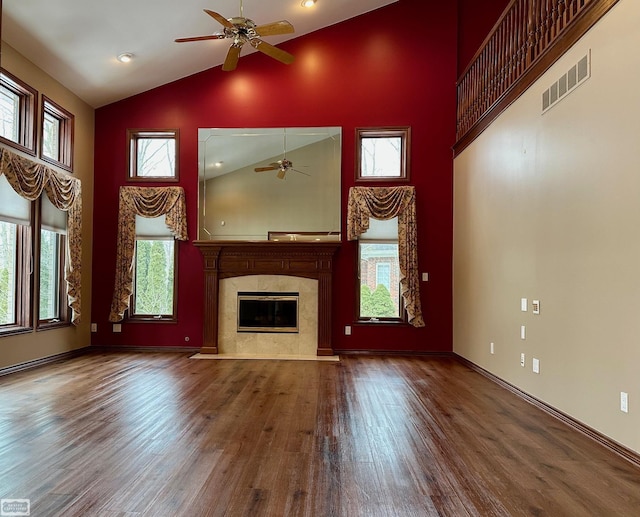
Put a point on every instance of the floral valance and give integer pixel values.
(385, 203)
(29, 179)
(145, 202)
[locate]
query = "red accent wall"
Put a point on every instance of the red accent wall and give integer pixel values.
(475, 21)
(394, 66)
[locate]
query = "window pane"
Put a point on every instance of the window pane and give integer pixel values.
(8, 273)
(156, 157)
(51, 136)
(381, 157)
(9, 115)
(49, 275)
(153, 283)
(379, 280)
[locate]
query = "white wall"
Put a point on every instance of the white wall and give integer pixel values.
(548, 207)
(35, 345)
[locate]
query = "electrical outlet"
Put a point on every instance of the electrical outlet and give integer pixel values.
(522, 361)
(347, 330)
(523, 304)
(535, 363)
(523, 333)
(117, 327)
(425, 277)
(94, 327)
(624, 402)
(492, 348)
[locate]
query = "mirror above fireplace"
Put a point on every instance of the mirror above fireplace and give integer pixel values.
(294, 191)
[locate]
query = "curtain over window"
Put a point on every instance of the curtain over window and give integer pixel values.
(385, 203)
(29, 179)
(145, 202)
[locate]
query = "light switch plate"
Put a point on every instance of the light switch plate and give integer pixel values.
(523, 332)
(117, 327)
(536, 365)
(523, 304)
(624, 402)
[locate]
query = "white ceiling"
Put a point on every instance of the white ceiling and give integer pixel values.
(77, 41)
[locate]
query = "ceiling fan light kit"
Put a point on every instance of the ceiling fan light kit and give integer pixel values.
(241, 30)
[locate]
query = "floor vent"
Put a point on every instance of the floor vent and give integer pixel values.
(576, 75)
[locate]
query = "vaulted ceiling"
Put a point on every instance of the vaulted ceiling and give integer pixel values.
(77, 41)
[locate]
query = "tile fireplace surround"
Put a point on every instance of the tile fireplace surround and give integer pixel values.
(228, 259)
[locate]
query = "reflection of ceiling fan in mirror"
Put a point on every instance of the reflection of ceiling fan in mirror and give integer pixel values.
(242, 30)
(283, 165)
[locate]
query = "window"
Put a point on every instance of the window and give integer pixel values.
(17, 113)
(52, 307)
(153, 154)
(15, 259)
(382, 154)
(154, 285)
(379, 271)
(56, 142)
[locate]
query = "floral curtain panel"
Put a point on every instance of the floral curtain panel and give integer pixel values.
(146, 202)
(29, 179)
(386, 203)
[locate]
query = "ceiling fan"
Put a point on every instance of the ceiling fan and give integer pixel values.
(242, 30)
(282, 166)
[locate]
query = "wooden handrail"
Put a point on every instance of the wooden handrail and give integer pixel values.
(527, 39)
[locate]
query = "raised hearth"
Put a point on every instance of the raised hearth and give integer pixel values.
(227, 259)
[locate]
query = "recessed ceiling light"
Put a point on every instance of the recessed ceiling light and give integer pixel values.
(308, 3)
(218, 164)
(125, 57)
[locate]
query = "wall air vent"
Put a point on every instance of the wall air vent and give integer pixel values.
(576, 75)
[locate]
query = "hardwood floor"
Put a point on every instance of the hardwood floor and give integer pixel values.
(160, 435)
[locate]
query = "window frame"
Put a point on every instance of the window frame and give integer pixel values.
(402, 313)
(159, 318)
(26, 113)
(65, 136)
(133, 136)
(402, 132)
(23, 282)
(64, 314)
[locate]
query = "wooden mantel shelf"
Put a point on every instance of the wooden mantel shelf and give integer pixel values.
(227, 259)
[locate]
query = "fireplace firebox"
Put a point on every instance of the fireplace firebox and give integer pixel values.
(267, 312)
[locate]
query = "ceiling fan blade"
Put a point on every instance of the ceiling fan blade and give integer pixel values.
(231, 61)
(201, 38)
(264, 169)
(275, 28)
(220, 19)
(271, 51)
(281, 174)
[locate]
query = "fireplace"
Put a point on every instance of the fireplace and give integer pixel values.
(267, 312)
(230, 259)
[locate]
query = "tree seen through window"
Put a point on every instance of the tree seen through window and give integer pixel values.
(154, 275)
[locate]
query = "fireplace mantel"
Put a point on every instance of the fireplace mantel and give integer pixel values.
(227, 259)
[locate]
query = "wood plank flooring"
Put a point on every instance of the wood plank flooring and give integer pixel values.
(149, 434)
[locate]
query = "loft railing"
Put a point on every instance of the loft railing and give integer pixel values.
(529, 36)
